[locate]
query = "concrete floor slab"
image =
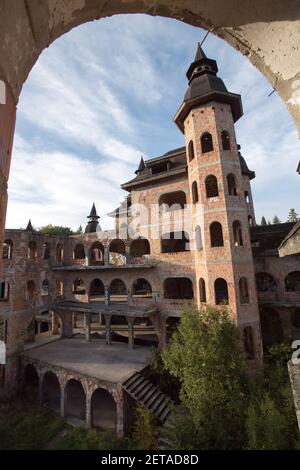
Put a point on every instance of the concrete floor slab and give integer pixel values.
(113, 363)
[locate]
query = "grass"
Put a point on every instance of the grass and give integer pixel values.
(27, 426)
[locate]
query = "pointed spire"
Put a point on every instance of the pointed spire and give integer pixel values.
(29, 227)
(200, 54)
(141, 167)
(93, 213)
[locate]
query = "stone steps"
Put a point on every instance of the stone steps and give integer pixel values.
(148, 395)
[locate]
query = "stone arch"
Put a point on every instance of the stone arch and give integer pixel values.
(51, 391)
(31, 381)
(225, 137)
(139, 247)
(32, 250)
(118, 291)
(191, 152)
(237, 233)
(206, 142)
(231, 184)
(141, 288)
(195, 195)
(103, 410)
(174, 200)
(46, 251)
(79, 287)
(265, 282)
(117, 252)
(96, 255)
(75, 400)
(97, 290)
(216, 234)
(59, 252)
(7, 249)
(79, 252)
(292, 282)
(221, 291)
(202, 290)
(211, 186)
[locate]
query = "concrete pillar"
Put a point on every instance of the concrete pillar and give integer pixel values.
(67, 325)
(106, 295)
(107, 329)
(88, 415)
(131, 332)
(55, 323)
(62, 402)
(106, 255)
(127, 254)
(87, 317)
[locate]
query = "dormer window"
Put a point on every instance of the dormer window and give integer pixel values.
(161, 167)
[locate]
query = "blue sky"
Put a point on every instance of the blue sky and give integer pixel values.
(105, 94)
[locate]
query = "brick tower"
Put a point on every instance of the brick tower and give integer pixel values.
(219, 195)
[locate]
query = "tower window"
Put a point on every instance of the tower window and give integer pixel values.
(250, 221)
(32, 250)
(45, 287)
(216, 234)
(211, 186)
(174, 242)
(221, 291)
(225, 140)
(195, 192)
(178, 288)
(7, 249)
(243, 288)
(247, 198)
(231, 185)
(79, 252)
(4, 291)
(202, 290)
(191, 152)
(206, 142)
(46, 251)
(237, 233)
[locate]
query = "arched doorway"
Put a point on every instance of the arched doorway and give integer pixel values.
(51, 391)
(31, 381)
(103, 410)
(75, 400)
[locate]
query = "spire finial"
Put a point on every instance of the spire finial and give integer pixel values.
(141, 167)
(200, 54)
(29, 227)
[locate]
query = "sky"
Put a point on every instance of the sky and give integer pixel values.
(105, 93)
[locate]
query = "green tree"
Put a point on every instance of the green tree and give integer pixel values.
(276, 220)
(263, 221)
(79, 231)
(292, 216)
(205, 354)
(55, 230)
(145, 433)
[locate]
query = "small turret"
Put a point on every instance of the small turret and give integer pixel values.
(29, 227)
(93, 223)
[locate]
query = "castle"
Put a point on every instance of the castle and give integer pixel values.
(79, 313)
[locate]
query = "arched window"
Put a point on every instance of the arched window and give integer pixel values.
(195, 196)
(225, 140)
(141, 288)
(231, 185)
(75, 400)
(30, 290)
(178, 288)
(216, 234)
(79, 287)
(248, 342)
(97, 289)
(211, 185)
(59, 252)
(198, 236)
(237, 233)
(59, 288)
(139, 248)
(96, 257)
(118, 291)
(45, 287)
(243, 288)
(247, 197)
(292, 282)
(79, 252)
(117, 253)
(265, 282)
(202, 290)
(191, 150)
(103, 410)
(174, 242)
(221, 291)
(7, 249)
(206, 142)
(32, 250)
(46, 251)
(172, 201)
(250, 221)
(4, 291)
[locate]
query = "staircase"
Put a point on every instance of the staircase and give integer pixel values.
(148, 395)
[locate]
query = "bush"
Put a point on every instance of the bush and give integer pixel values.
(145, 433)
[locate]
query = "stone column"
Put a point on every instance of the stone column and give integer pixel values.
(74, 320)
(62, 402)
(131, 332)
(55, 323)
(87, 317)
(39, 327)
(106, 255)
(88, 416)
(67, 325)
(107, 329)
(106, 295)
(127, 254)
